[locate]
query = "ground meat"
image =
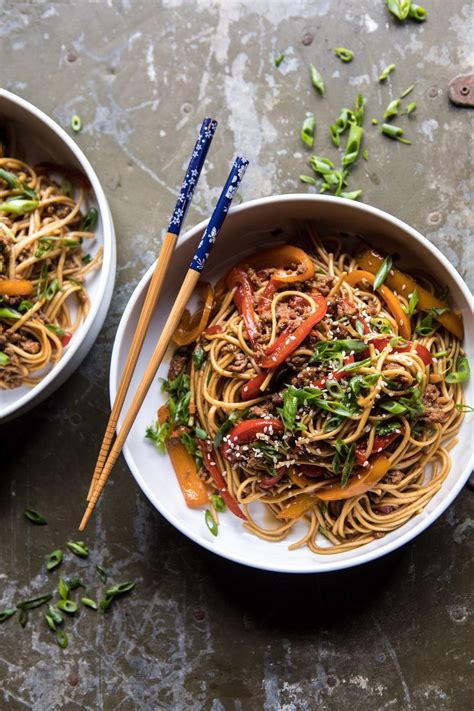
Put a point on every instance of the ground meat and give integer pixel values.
(29, 345)
(297, 361)
(394, 477)
(343, 308)
(372, 307)
(60, 211)
(434, 411)
(178, 363)
(260, 278)
(5, 244)
(306, 376)
(240, 363)
(322, 283)
(11, 374)
(288, 314)
(268, 407)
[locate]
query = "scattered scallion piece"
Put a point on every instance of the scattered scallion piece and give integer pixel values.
(18, 206)
(383, 271)
(68, 606)
(79, 548)
(417, 12)
(199, 356)
(410, 108)
(412, 302)
(7, 312)
(61, 638)
(55, 615)
(113, 592)
(35, 517)
(407, 91)
(54, 559)
(462, 373)
(210, 523)
(392, 109)
(386, 72)
(345, 55)
(218, 503)
(50, 622)
(4, 359)
(74, 583)
(34, 602)
(63, 589)
(307, 131)
(399, 8)
(103, 574)
(359, 109)
(365, 154)
(464, 407)
(394, 132)
(23, 619)
(316, 79)
(89, 603)
(375, 122)
(307, 179)
(353, 145)
(279, 60)
(6, 614)
(76, 123)
(352, 195)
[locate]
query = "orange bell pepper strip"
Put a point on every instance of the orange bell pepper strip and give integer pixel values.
(191, 327)
(16, 287)
(284, 255)
(298, 507)
(404, 284)
(388, 296)
(364, 480)
(194, 490)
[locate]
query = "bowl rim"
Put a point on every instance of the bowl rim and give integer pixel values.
(334, 563)
(107, 270)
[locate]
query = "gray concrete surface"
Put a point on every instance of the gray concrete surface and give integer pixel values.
(198, 632)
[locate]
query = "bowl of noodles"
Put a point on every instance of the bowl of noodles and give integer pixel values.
(57, 256)
(313, 411)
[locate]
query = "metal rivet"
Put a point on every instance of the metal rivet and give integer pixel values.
(186, 108)
(71, 57)
(307, 39)
(464, 90)
(435, 217)
(433, 92)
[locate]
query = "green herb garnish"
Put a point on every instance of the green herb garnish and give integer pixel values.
(386, 72)
(113, 592)
(35, 517)
(226, 426)
(210, 523)
(79, 548)
(316, 79)
(343, 460)
(4, 359)
(218, 503)
(54, 559)
(199, 356)
(307, 179)
(90, 220)
(68, 606)
(18, 206)
(407, 91)
(383, 272)
(76, 123)
(61, 638)
(399, 8)
(279, 60)
(34, 602)
(88, 602)
(392, 109)
(394, 132)
(307, 131)
(461, 374)
(6, 614)
(344, 54)
(412, 302)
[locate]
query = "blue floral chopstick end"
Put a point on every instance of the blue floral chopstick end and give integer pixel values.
(218, 216)
(206, 134)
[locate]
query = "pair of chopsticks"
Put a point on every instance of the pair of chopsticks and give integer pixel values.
(110, 451)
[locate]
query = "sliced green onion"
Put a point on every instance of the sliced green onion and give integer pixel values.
(334, 133)
(9, 178)
(344, 54)
(113, 592)
(359, 109)
(218, 503)
(52, 289)
(359, 326)
(386, 72)
(78, 548)
(316, 79)
(308, 179)
(18, 206)
(103, 573)
(407, 91)
(34, 602)
(394, 407)
(321, 165)
(68, 606)
(440, 354)
(55, 615)
(23, 619)
(353, 195)
(63, 589)
(399, 8)
(6, 614)
(410, 108)
(61, 639)
(25, 306)
(279, 60)
(417, 12)
(392, 109)
(35, 517)
(50, 622)
(4, 359)
(307, 131)
(90, 220)
(76, 123)
(202, 434)
(462, 373)
(383, 271)
(353, 145)
(365, 154)
(88, 602)
(375, 122)
(412, 302)
(210, 523)
(394, 132)
(54, 559)
(74, 583)
(464, 407)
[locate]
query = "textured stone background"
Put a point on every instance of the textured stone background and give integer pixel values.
(198, 632)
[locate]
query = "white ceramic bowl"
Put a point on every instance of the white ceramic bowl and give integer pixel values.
(242, 232)
(43, 140)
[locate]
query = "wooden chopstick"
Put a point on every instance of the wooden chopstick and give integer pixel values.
(191, 279)
(198, 157)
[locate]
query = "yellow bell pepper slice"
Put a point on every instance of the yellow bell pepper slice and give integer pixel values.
(365, 479)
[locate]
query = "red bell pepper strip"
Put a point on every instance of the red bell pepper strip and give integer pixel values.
(271, 481)
(251, 389)
(381, 442)
(336, 375)
(243, 299)
(247, 431)
(209, 460)
(425, 355)
(212, 330)
(270, 290)
(66, 338)
(286, 343)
